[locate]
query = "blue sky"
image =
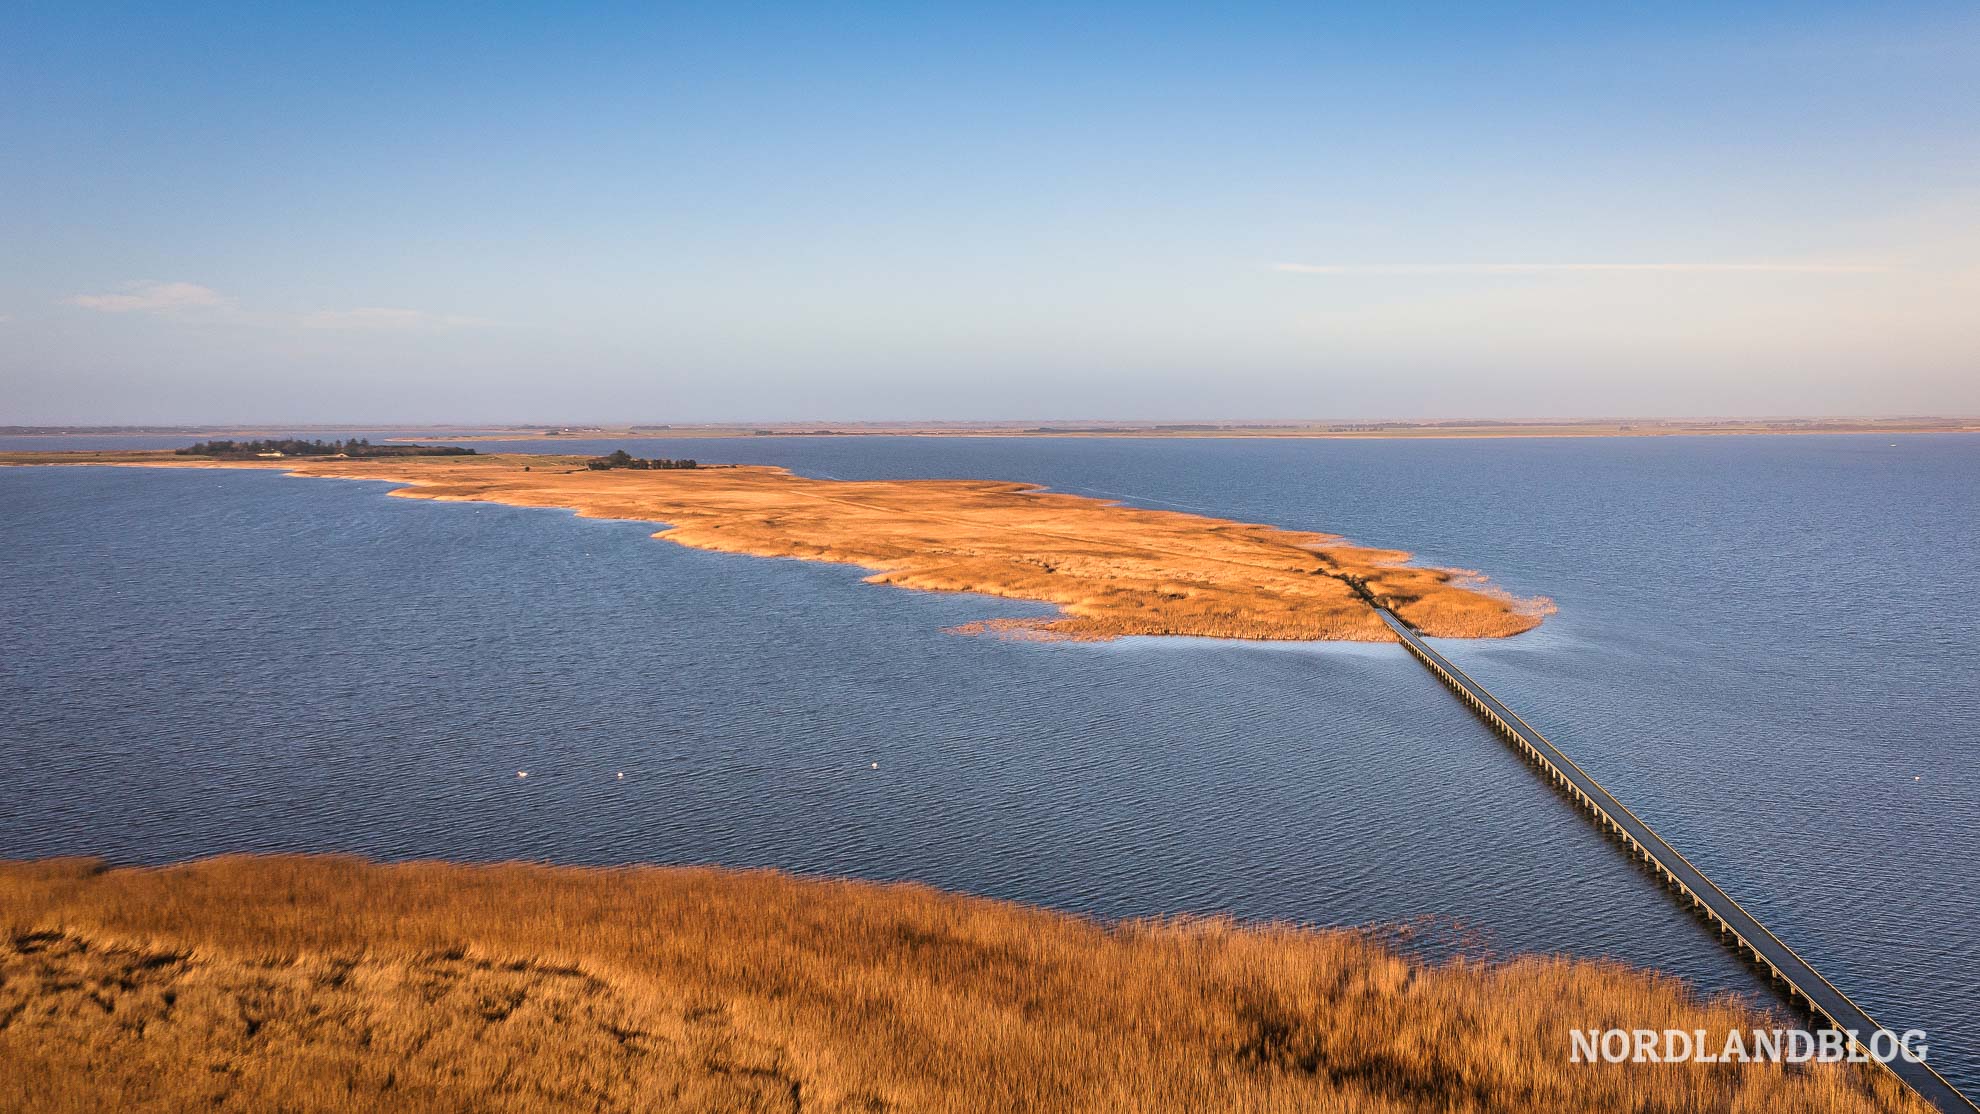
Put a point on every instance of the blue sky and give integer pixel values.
(732, 212)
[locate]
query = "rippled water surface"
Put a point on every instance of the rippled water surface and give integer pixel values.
(1765, 646)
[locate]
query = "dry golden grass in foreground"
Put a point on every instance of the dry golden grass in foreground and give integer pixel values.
(314, 983)
(1113, 570)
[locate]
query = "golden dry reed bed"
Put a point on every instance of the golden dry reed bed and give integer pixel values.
(1113, 570)
(328, 983)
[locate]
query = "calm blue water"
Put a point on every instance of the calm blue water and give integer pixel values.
(1765, 646)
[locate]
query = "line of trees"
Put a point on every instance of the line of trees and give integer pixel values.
(355, 447)
(620, 458)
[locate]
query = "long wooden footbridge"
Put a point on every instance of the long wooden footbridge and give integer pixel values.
(1739, 929)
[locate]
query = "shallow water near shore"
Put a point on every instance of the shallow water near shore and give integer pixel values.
(1765, 647)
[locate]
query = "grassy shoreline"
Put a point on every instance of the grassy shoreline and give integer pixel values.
(321, 983)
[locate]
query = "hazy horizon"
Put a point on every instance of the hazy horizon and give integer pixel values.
(601, 215)
(1055, 421)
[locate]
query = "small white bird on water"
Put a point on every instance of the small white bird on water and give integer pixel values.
(522, 773)
(622, 775)
(876, 765)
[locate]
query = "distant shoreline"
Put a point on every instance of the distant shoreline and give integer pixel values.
(1374, 430)
(1342, 431)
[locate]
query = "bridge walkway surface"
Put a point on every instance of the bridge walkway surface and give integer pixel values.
(1740, 929)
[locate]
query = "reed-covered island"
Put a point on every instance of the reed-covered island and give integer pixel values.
(1112, 570)
(330, 983)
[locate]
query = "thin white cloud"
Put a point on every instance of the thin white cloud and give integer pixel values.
(387, 319)
(150, 296)
(171, 298)
(1540, 268)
